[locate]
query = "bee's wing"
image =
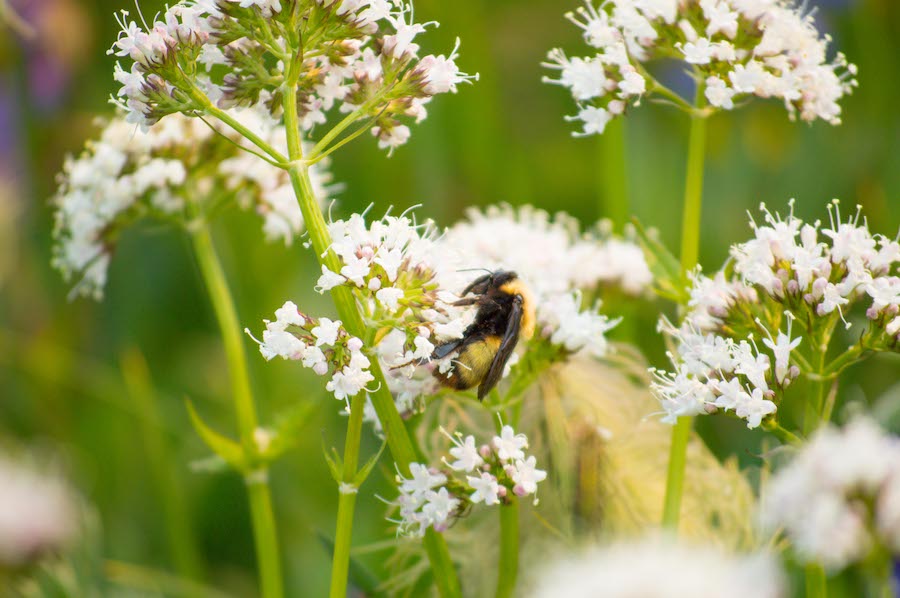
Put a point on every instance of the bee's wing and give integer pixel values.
(447, 348)
(507, 345)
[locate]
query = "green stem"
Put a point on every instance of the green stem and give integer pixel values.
(816, 584)
(264, 532)
(395, 432)
(613, 174)
(815, 405)
(171, 495)
(690, 248)
(509, 549)
(208, 107)
(681, 434)
(340, 563)
(693, 187)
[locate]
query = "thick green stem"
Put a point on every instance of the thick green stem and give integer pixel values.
(690, 249)
(816, 584)
(612, 179)
(340, 562)
(395, 432)
(681, 434)
(264, 532)
(815, 404)
(693, 186)
(182, 546)
(508, 566)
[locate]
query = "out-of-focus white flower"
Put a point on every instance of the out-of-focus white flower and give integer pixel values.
(766, 48)
(38, 514)
(127, 173)
(837, 499)
(658, 567)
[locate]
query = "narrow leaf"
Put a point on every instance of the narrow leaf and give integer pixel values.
(363, 473)
(671, 282)
(221, 445)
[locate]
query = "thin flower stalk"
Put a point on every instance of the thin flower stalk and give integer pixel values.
(508, 567)
(690, 249)
(264, 531)
(398, 439)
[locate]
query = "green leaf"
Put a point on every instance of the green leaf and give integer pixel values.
(228, 449)
(363, 473)
(671, 282)
(335, 463)
(286, 434)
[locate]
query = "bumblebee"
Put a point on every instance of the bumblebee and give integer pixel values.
(505, 313)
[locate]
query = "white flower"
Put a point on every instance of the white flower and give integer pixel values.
(329, 280)
(438, 508)
(390, 297)
(509, 445)
(526, 476)
(719, 94)
(835, 499)
(781, 348)
(594, 119)
(38, 514)
(421, 480)
(698, 52)
(326, 332)
(485, 489)
(442, 74)
(466, 455)
(661, 568)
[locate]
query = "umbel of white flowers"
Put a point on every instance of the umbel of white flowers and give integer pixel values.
(126, 174)
(349, 55)
(737, 48)
(838, 501)
(406, 277)
(660, 567)
(735, 350)
(431, 497)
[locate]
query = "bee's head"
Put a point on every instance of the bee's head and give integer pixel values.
(491, 280)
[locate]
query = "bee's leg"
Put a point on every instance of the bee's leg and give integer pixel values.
(465, 301)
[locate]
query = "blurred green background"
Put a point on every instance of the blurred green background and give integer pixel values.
(500, 140)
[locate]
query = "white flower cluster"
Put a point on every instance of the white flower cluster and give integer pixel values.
(785, 269)
(321, 345)
(714, 372)
(658, 567)
(38, 514)
(564, 268)
(394, 267)
(432, 498)
(405, 277)
(127, 173)
(104, 185)
(766, 48)
(352, 54)
(787, 261)
(840, 496)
